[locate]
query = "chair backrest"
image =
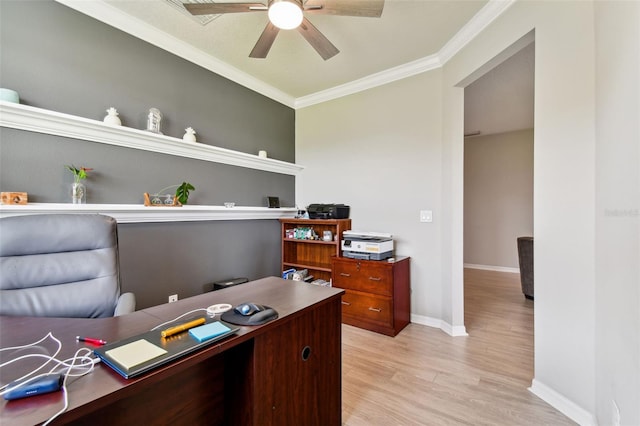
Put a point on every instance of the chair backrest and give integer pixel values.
(59, 265)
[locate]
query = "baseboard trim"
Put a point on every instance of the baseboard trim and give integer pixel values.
(454, 331)
(562, 404)
(492, 268)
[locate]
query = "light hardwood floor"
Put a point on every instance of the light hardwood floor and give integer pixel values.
(425, 377)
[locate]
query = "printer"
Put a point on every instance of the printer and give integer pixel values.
(328, 211)
(367, 245)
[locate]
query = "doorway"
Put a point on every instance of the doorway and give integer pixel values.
(498, 188)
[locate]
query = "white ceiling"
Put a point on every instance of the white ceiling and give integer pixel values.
(406, 31)
(411, 36)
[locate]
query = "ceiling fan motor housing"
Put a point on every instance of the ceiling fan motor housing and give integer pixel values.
(285, 14)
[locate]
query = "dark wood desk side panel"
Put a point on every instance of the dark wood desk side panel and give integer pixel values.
(239, 389)
(290, 390)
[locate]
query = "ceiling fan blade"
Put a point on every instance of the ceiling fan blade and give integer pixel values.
(362, 8)
(264, 43)
(218, 8)
(317, 40)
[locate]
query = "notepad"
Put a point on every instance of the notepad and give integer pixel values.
(135, 353)
(208, 331)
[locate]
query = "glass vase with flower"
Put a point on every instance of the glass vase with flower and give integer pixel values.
(78, 189)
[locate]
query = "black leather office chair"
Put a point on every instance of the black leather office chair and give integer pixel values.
(61, 265)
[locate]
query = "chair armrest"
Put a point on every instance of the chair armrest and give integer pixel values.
(126, 304)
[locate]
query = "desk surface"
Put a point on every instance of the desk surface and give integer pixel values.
(104, 386)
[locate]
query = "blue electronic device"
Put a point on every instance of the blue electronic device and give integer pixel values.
(30, 387)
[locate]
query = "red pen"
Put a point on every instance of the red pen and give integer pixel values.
(97, 342)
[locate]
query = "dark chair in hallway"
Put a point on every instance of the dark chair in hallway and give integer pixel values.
(525, 258)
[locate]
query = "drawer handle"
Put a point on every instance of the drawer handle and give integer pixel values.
(375, 278)
(346, 303)
(375, 309)
(344, 274)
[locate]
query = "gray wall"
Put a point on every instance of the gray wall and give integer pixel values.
(498, 197)
(61, 60)
(158, 259)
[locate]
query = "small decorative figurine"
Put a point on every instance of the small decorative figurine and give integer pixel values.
(189, 135)
(112, 117)
(153, 121)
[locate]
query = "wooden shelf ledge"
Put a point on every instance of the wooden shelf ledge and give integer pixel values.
(137, 213)
(32, 119)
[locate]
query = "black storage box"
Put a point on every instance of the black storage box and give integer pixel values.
(328, 211)
(219, 285)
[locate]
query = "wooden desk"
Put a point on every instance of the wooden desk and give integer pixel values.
(256, 377)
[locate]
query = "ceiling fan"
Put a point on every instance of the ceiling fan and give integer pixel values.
(288, 15)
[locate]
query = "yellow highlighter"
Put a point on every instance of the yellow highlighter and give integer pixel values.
(182, 327)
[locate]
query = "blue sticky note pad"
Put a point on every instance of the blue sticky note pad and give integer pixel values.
(208, 331)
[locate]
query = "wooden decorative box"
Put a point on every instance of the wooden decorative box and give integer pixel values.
(14, 197)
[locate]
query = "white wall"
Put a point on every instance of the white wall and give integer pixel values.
(346, 142)
(498, 197)
(564, 190)
(379, 152)
(564, 194)
(618, 211)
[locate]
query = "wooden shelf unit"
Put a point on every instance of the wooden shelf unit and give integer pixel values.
(313, 255)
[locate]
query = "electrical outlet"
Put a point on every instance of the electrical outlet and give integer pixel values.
(426, 216)
(173, 298)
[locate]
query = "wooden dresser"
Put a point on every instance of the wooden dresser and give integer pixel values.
(377, 293)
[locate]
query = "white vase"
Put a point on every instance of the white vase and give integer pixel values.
(112, 117)
(189, 135)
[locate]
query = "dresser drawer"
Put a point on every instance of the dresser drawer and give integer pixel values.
(367, 307)
(374, 278)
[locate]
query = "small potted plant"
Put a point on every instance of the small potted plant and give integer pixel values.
(160, 198)
(78, 190)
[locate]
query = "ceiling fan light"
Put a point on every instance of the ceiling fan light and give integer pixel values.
(285, 15)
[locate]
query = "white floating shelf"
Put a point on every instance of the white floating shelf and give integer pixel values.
(137, 213)
(32, 119)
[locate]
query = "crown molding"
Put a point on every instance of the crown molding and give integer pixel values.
(374, 80)
(475, 26)
(112, 16)
(468, 32)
